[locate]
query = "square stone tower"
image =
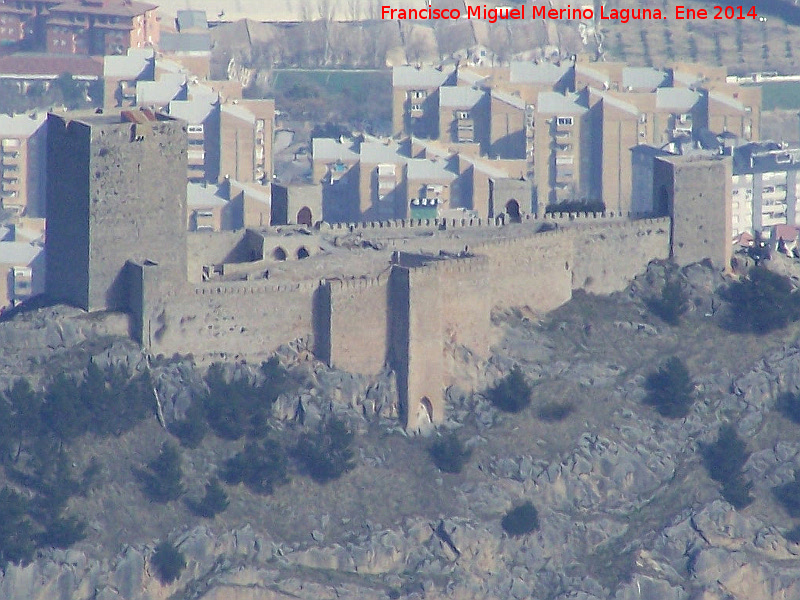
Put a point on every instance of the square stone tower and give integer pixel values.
(695, 190)
(116, 192)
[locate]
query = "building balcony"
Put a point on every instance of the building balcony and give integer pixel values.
(12, 159)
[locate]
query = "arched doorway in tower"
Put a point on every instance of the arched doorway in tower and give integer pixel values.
(304, 216)
(279, 253)
(425, 411)
(512, 209)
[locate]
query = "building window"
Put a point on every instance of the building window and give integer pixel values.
(564, 121)
(462, 115)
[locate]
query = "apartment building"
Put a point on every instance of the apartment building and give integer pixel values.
(562, 156)
(96, 27)
(464, 116)
(764, 187)
(23, 142)
(611, 107)
(415, 99)
(247, 129)
(227, 141)
(122, 72)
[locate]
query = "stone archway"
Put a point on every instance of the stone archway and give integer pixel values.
(302, 252)
(304, 217)
(512, 210)
(279, 253)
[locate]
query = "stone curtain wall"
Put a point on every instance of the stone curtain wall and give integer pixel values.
(232, 320)
(359, 321)
(406, 316)
(608, 257)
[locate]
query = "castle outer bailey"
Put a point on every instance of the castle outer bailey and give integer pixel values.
(401, 294)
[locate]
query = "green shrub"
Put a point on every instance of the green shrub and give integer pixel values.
(521, 520)
(168, 562)
(238, 407)
(327, 454)
(670, 389)
(724, 460)
(17, 543)
(449, 453)
(553, 412)
(793, 535)
(192, 429)
(214, 502)
(512, 393)
(763, 302)
(671, 304)
(788, 495)
(261, 467)
(63, 532)
(789, 405)
(737, 492)
(161, 482)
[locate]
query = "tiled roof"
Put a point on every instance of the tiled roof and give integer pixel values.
(50, 65)
(202, 196)
(327, 149)
(192, 111)
(185, 42)
(424, 77)
(459, 96)
(676, 98)
(18, 254)
(191, 19)
(559, 104)
(20, 125)
(424, 169)
(119, 9)
(137, 62)
(642, 78)
(528, 72)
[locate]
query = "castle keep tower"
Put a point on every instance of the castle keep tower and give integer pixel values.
(696, 192)
(116, 192)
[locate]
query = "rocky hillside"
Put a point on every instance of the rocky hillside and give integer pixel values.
(626, 504)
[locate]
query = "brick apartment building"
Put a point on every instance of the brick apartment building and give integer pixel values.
(574, 123)
(95, 27)
(23, 141)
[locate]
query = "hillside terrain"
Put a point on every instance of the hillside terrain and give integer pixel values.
(623, 498)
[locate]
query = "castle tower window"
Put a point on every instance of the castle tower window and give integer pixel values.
(279, 253)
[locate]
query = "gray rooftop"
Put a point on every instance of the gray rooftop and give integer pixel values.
(676, 98)
(170, 86)
(615, 102)
(137, 63)
(559, 104)
(423, 77)
(643, 78)
(378, 152)
(193, 112)
(726, 99)
(21, 125)
(424, 169)
(18, 254)
(328, 150)
(184, 42)
(528, 72)
(202, 196)
(191, 19)
(240, 112)
(514, 101)
(459, 96)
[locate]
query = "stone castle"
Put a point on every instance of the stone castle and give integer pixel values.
(396, 294)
